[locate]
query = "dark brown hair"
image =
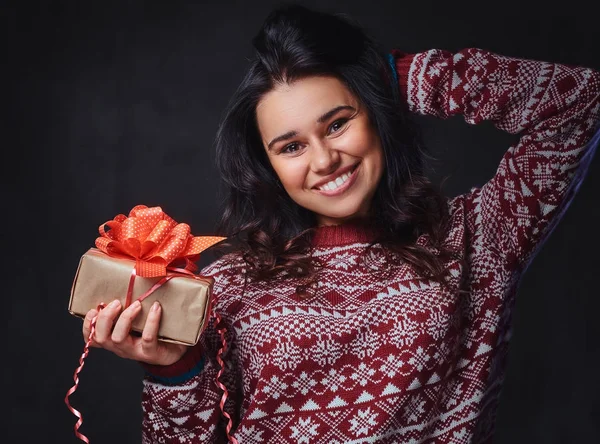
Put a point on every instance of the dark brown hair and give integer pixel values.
(271, 231)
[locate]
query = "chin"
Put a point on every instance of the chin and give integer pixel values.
(341, 214)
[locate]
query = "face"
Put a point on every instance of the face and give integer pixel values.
(322, 146)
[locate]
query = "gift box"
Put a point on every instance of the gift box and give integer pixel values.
(147, 256)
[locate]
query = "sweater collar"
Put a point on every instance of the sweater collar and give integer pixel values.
(343, 234)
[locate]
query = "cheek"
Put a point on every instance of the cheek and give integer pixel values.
(370, 150)
(291, 173)
(378, 163)
(362, 142)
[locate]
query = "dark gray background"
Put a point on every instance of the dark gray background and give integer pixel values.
(117, 103)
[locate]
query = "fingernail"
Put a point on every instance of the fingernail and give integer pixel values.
(114, 304)
(136, 305)
(155, 306)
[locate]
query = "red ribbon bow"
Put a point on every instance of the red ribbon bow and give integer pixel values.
(153, 239)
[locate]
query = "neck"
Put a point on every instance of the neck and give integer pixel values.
(355, 231)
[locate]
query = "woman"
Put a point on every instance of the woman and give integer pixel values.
(360, 305)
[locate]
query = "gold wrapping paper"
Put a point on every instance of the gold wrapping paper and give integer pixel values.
(184, 300)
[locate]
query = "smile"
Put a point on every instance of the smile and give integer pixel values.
(339, 184)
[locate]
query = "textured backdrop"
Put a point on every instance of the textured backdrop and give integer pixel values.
(117, 103)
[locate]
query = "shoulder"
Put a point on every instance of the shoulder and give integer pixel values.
(225, 264)
(227, 270)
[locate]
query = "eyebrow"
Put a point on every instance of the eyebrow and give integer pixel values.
(321, 119)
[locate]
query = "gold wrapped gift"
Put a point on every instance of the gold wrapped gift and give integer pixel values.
(184, 300)
(136, 252)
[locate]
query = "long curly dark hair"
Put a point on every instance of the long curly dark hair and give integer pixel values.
(272, 232)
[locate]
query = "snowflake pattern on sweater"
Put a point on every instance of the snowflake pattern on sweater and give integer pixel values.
(391, 357)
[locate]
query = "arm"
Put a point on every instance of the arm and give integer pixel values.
(180, 402)
(554, 108)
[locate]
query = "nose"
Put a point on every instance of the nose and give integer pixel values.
(324, 159)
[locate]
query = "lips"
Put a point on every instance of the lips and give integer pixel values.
(341, 185)
(342, 174)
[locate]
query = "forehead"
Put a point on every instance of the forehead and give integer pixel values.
(292, 106)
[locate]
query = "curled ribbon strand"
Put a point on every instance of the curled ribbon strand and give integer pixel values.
(157, 243)
(222, 330)
(86, 350)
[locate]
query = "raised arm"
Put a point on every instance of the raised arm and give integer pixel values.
(555, 109)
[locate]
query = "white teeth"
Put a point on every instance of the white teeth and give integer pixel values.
(330, 186)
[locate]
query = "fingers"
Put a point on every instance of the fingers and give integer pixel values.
(113, 332)
(150, 332)
(123, 326)
(105, 322)
(87, 323)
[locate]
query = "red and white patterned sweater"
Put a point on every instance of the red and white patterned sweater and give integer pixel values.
(395, 358)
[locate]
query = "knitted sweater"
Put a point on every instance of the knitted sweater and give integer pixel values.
(385, 355)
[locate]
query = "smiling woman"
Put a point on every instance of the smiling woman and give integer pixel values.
(332, 161)
(360, 304)
(316, 135)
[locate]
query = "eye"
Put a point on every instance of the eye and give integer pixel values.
(337, 125)
(290, 149)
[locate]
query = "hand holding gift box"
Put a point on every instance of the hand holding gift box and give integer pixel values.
(146, 258)
(138, 259)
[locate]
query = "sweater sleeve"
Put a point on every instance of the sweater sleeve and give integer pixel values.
(554, 108)
(181, 402)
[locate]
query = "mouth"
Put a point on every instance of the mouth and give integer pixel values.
(340, 184)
